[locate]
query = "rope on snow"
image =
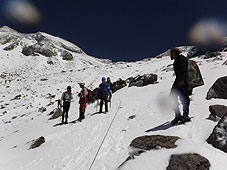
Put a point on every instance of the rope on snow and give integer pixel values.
(105, 135)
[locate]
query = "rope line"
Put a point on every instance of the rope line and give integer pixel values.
(105, 135)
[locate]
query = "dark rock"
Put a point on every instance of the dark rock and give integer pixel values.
(218, 110)
(196, 51)
(191, 161)
(28, 51)
(43, 79)
(131, 117)
(218, 90)
(66, 55)
(225, 63)
(11, 46)
(143, 80)
(117, 85)
(218, 137)
(56, 113)
(14, 117)
(72, 49)
(42, 109)
(39, 37)
(50, 96)
(212, 54)
(18, 97)
(50, 62)
(2, 107)
(36, 48)
(154, 142)
(36, 143)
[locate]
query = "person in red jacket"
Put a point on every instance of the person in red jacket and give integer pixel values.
(82, 101)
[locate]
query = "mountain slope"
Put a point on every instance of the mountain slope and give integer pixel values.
(74, 146)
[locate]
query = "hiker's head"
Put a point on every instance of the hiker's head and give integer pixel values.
(108, 79)
(81, 85)
(103, 79)
(174, 52)
(69, 88)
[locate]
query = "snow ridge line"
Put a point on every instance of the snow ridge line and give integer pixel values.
(105, 135)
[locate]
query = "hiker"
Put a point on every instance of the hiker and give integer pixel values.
(180, 86)
(66, 99)
(82, 101)
(104, 91)
(111, 88)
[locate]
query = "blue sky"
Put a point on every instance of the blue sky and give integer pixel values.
(121, 30)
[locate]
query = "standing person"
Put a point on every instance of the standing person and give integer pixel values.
(66, 99)
(180, 86)
(83, 100)
(104, 91)
(111, 88)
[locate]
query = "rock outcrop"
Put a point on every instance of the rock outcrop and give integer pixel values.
(36, 143)
(218, 138)
(218, 90)
(119, 84)
(143, 80)
(218, 110)
(191, 161)
(146, 143)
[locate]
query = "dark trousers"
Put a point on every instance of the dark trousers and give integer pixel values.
(66, 106)
(103, 99)
(82, 111)
(182, 93)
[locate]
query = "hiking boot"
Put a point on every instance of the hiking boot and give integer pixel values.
(176, 120)
(186, 118)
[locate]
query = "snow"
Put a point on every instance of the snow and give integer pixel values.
(74, 146)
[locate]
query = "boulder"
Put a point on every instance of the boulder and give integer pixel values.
(72, 48)
(117, 85)
(42, 109)
(218, 90)
(219, 135)
(36, 143)
(191, 161)
(143, 80)
(154, 142)
(218, 110)
(28, 51)
(37, 48)
(11, 46)
(196, 51)
(56, 113)
(66, 55)
(211, 54)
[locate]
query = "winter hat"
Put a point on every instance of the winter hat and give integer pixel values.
(175, 50)
(81, 84)
(69, 88)
(103, 79)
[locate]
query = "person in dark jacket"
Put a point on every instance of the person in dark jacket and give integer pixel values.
(66, 99)
(104, 91)
(180, 86)
(111, 88)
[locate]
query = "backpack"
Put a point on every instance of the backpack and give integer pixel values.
(89, 95)
(194, 76)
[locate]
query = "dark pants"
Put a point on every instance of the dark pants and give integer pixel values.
(103, 98)
(66, 106)
(82, 111)
(182, 93)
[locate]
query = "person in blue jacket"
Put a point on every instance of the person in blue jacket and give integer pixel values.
(104, 91)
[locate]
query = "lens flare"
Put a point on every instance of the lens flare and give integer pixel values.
(208, 31)
(22, 12)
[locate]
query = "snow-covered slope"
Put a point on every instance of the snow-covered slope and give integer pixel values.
(75, 146)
